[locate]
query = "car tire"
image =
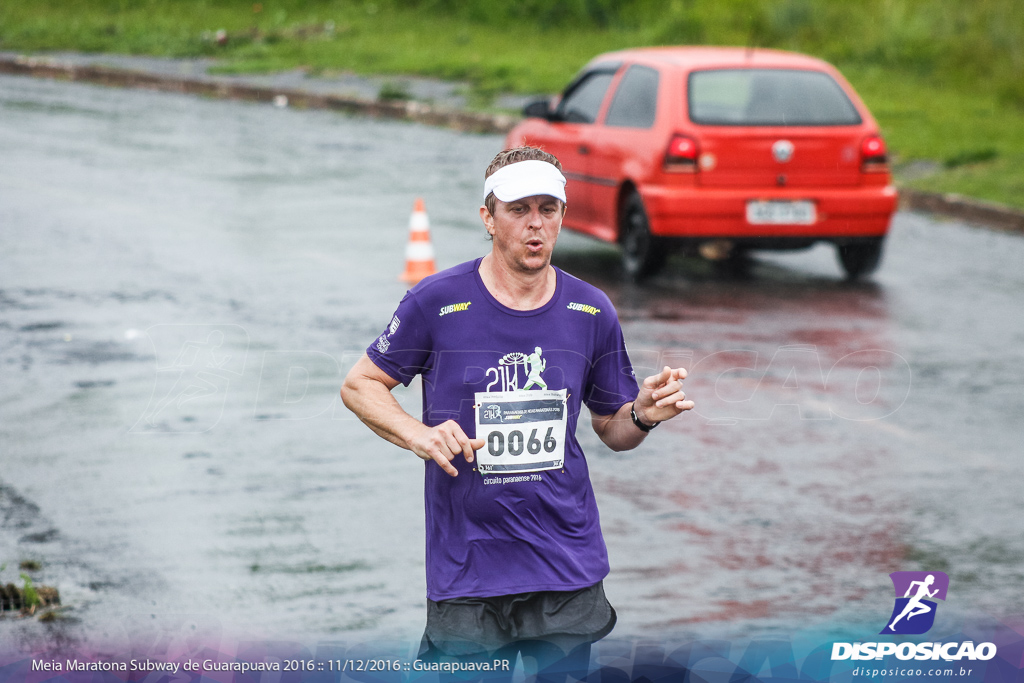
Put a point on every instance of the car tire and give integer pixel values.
(643, 254)
(859, 259)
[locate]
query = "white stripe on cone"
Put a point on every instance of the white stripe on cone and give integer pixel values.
(419, 251)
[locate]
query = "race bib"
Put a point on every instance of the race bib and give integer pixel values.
(523, 431)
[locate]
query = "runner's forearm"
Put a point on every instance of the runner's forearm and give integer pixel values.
(370, 398)
(617, 430)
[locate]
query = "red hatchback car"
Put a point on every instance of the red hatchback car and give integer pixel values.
(717, 151)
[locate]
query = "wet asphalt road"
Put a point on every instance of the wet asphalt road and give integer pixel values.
(183, 284)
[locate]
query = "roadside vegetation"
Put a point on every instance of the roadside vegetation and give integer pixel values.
(944, 78)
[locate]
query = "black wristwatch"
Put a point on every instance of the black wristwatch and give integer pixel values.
(636, 420)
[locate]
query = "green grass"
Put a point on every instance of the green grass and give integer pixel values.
(31, 596)
(944, 78)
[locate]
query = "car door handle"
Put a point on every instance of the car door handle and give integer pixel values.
(583, 149)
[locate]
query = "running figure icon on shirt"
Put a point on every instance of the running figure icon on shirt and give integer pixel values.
(536, 366)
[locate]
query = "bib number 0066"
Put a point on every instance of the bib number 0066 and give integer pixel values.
(523, 431)
(496, 443)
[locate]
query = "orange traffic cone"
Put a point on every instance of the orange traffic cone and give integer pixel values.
(419, 254)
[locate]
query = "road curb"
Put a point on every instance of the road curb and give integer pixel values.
(964, 208)
(955, 206)
(403, 110)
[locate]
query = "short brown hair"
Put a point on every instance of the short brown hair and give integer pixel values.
(514, 156)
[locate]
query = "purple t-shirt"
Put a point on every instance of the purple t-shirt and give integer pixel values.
(496, 534)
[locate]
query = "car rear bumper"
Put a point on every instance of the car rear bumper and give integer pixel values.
(692, 212)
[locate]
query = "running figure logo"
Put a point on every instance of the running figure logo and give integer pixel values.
(914, 613)
(195, 367)
(537, 366)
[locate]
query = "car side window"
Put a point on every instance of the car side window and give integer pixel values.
(636, 99)
(582, 102)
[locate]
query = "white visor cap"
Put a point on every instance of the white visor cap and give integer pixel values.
(525, 179)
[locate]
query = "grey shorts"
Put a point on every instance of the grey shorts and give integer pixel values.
(565, 619)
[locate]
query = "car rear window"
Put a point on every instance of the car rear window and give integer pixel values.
(768, 97)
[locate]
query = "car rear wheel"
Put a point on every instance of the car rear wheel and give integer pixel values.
(861, 258)
(643, 254)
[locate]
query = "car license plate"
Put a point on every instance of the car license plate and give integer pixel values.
(781, 213)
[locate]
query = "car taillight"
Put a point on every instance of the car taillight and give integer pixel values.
(873, 155)
(681, 155)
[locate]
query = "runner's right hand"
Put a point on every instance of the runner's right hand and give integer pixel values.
(443, 443)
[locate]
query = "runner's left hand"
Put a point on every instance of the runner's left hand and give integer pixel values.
(661, 396)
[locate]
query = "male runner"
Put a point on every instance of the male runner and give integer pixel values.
(514, 553)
